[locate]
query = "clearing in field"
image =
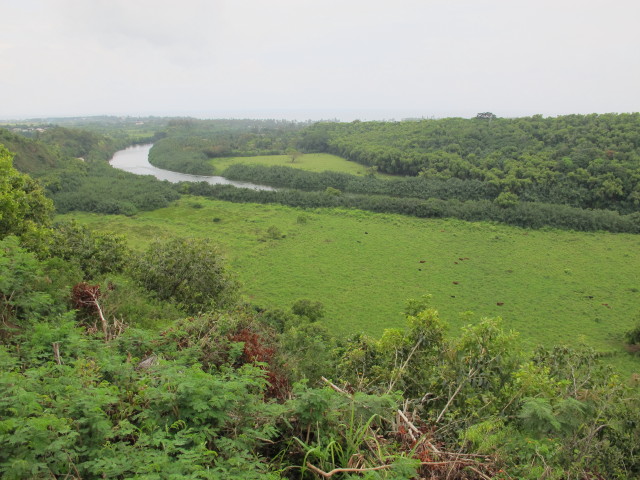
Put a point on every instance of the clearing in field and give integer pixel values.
(551, 286)
(312, 162)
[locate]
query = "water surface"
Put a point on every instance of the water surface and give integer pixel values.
(136, 160)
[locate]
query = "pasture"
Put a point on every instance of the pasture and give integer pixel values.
(551, 286)
(312, 162)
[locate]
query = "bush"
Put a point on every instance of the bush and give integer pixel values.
(632, 337)
(190, 272)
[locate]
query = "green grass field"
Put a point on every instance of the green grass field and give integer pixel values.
(551, 286)
(313, 162)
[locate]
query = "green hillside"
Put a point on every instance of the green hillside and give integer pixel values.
(30, 156)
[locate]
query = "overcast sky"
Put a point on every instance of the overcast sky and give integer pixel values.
(314, 59)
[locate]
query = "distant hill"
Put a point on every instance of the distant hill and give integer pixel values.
(39, 149)
(31, 156)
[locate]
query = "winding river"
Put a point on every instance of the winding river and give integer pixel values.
(136, 160)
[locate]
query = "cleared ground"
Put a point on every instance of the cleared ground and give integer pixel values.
(313, 162)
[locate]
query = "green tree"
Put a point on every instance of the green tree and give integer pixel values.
(24, 209)
(506, 199)
(313, 311)
(23, 299)
(191, 272)
(485, 116)
(293, 154)
(333, 192)
(93, 252)
(306, 349)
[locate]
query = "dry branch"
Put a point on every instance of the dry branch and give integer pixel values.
(85, 296)
(344, 470)
(479, 473)
(335, 387)
(56, 352)
(413, 428)
(331, 473)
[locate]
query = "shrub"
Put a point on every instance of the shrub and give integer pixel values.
(190, 272)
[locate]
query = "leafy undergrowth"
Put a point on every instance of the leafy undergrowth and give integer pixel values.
(214, 396)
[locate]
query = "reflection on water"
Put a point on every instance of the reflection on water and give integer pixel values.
(136, 160)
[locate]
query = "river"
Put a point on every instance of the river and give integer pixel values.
(136, 160)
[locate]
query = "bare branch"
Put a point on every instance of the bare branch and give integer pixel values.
(331, 473)
(56, 352)
(335, 387)
(479, 472)
(344, 470)
(404, 365)
(471, 374)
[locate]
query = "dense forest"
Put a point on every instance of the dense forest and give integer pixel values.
(123, 364)
(589, 161)
(585, 166)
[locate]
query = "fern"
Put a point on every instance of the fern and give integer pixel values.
(537, 416)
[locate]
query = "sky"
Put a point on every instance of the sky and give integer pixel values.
(318, 59)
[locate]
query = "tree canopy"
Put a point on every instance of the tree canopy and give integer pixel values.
(25, 211)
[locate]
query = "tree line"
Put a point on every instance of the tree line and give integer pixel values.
(507, 170)
(521, 214)
(586, 161)
(590, 161)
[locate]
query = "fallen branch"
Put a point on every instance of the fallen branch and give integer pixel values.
(404, 365)
(413, 428)
(331, 473)
(474, 455)
(409, 424)
(335, 387)
(479, 472)
(470, 375)
(344, 470)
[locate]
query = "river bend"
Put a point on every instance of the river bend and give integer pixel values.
(136, 160)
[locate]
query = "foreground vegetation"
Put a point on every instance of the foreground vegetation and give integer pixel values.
(146, 365)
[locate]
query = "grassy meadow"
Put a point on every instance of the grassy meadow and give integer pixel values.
(551, 286)
(312, 162)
